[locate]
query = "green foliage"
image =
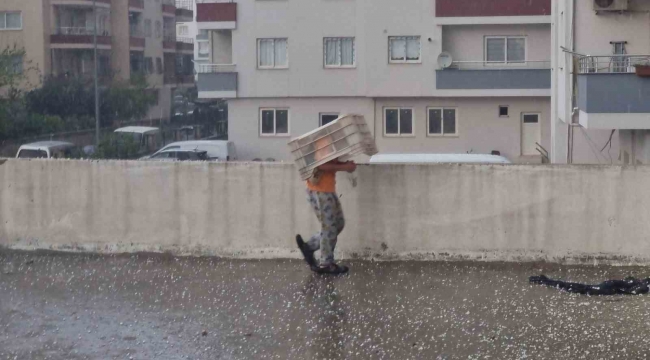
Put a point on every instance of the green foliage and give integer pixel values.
(117, 146)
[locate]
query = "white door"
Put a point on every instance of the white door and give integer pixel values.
(530, 133)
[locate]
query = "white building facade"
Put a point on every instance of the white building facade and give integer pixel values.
(600, 88)
(287, 67)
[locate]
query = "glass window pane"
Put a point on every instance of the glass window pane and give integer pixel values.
(327, 118)
(413, 49)
(266, 52)
(495, 49)
(531, 119)
(203, 35)
(435, 121)
(280, 52)
(204, 49)
(267, 122)
(406, 121)
(449, 121)
(347, 51)
(282, 121)
(391, 121)
(14, 21)
(516, 50)
(3, 20)
(397, 49)
(332, 52)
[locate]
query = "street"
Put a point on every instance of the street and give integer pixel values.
(146, 306)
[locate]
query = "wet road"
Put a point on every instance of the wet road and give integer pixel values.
(61, 306)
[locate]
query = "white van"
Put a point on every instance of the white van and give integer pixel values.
(147, 138)
(438, 159)
(45, 150)
(221, 150)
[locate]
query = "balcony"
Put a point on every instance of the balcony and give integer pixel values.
(169, 8)
(216, 15)
(185, 45)
(79, 38)
(169, 43)
(184, 10)
(484, 75)
(79, 63)
(136, 5)
(611, 94)
(217, 81)
(100, 3)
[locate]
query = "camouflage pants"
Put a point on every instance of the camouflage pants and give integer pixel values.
(330, 215)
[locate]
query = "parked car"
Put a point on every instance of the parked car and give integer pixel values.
(45, 150)
(147, 138)
(180, 155)
(222, 150)
(438, 159)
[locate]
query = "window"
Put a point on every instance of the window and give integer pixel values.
(501, 49)
(398, 122)
(158, 29)
(326, 118)
(274, 122)
(442, 122)
(339, 52)
(159, 65)
(404, 49)
(147, 28)
(11, 20)
(15, 64)
(183, 30)
(619, 63)
(148, 65)
(203, 41)
(503, 111)
(272, 54)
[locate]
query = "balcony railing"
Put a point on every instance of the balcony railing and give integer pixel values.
(185, 40)
(214, 68)
(80, 31)
(500, 65)
(136, 31)
(185, 4)
(611, 64)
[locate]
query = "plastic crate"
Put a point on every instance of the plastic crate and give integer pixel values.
(344, 137)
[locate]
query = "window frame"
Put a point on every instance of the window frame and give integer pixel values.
(505, 49)
(5, 13)
(405, 61)
(507, 107)
(274, 67)
(320, 116)
(340, 45)
(442, 122)
(275, 123)
(399, 123)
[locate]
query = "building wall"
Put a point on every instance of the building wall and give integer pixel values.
(120, 49)
(33, 38)
(480, 129)
(467, 42)
(490, 212)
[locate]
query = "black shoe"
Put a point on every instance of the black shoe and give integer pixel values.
(307, 253)
(332, 269)
(538, 279)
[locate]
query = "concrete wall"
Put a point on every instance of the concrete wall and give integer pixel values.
(613, 93)
(255, 210)
(493, 79)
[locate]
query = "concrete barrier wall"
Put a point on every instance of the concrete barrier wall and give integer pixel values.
(517, 212)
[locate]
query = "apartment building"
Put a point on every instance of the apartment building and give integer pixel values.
(603, 98)
(135, 37)
(444, 76)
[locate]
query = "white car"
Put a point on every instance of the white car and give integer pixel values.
(221, 150)
(45, 150)
(179, 155)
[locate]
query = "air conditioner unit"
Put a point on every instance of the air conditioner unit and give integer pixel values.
(610, 5)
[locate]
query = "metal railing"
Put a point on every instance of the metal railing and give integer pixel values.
(608, 64)
(135, 31)
(83, 30)
(169, 38)
(500, 65)
(185, 4)
(214, 68)
(185, 40)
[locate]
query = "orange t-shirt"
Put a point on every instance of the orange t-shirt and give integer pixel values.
(327, 183)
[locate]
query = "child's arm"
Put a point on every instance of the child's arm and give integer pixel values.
(337, 166)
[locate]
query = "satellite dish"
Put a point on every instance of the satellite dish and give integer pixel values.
(445, 60)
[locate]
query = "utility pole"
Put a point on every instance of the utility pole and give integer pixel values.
(96, 70)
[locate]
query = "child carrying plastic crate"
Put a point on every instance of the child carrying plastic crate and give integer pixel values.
(317, 155)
